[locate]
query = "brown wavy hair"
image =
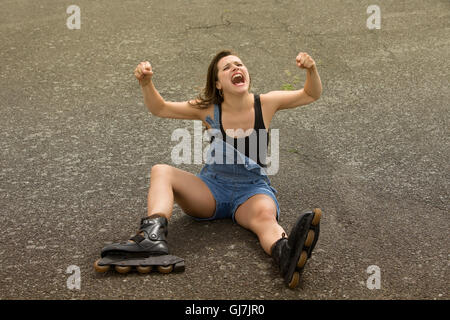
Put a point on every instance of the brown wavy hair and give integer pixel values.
(210, 94)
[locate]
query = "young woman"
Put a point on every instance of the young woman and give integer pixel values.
(239, 190)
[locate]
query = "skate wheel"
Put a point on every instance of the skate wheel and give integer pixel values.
(317, 216)
(122, 269)
(295, 280)
(309, 238)
(302, 260)
(144, 270)
(101, 269)
(165, 269)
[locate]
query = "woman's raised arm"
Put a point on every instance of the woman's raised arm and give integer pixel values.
(156, 104)
(279, 100)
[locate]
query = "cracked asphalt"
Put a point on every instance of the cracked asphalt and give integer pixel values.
(77, 145)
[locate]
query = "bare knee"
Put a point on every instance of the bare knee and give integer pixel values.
(161, 170)
(265, 214)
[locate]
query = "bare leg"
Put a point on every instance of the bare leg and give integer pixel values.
(258, 214)
(169, 184)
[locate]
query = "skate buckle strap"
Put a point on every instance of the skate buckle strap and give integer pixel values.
(137, 238)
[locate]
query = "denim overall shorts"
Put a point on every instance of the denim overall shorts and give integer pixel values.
(231, 176)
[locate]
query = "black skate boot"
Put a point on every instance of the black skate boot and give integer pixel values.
(291, 254)
(146, 249)
(150, 240)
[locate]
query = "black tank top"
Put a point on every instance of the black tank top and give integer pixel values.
(259, 130)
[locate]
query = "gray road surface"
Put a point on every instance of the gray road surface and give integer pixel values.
(77, 144)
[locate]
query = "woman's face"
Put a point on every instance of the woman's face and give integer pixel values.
(232, 75)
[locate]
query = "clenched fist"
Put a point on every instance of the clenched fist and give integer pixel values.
(304, 61)
(144, 73)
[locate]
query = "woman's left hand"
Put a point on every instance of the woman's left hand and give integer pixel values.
(304, 61)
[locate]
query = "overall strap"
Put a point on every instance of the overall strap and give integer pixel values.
(215, 124)
(259, 122)
(216, 116)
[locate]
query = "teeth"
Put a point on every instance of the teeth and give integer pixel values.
(237, 76)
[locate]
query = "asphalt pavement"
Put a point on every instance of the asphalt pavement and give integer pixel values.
(77, 145)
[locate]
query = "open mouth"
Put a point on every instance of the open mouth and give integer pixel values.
(238, 79)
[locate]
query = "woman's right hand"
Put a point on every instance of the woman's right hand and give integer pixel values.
(144, 73)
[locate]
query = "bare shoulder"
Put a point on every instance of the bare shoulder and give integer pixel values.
(268, 101)
(205, 112)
